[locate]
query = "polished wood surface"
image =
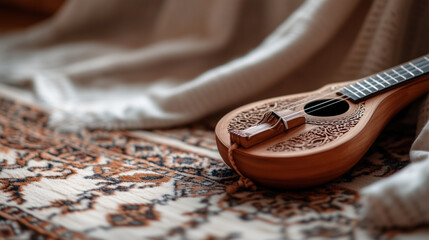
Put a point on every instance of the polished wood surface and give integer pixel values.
(272, 124)
(323, 148)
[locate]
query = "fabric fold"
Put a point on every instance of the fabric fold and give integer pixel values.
(195, 42)
(152, 64)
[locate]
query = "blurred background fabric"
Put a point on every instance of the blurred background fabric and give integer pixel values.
(151, 64)
(147, 64)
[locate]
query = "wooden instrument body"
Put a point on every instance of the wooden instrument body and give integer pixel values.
(321, 149)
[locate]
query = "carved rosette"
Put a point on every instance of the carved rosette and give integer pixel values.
(252, 116)
(327, 132)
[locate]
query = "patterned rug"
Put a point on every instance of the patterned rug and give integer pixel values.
(166, 184)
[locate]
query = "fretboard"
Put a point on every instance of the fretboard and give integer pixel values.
(385, 80)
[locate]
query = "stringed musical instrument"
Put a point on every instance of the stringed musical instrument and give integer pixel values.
(307, 139)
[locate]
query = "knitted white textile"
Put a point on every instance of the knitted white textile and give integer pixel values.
(402, 199)
(156, 64)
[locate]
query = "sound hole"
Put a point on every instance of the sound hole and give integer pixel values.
(326, 107)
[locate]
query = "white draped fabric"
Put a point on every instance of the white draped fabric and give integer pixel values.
(148, 64)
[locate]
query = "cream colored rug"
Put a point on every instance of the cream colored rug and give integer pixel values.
(167, 184)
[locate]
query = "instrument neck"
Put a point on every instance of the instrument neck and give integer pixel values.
(386, 80)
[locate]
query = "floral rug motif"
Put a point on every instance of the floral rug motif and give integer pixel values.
(165, 184)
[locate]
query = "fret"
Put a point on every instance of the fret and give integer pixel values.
(366, 81)
(387, 79)
(425, 65)
(357, 89)
(402, 66)
(385, 73)
(416, 67)
(377, 82)
(399, 74)
(350, 93)
(412, 69)
(378, 75)
(363, 86)
(421, 64)
(404, 73)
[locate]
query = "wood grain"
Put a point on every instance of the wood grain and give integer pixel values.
(323, 148)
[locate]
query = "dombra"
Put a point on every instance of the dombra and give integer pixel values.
(307, 139)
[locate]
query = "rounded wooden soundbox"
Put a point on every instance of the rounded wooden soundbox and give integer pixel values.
(307, 139)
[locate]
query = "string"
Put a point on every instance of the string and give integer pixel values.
(417, 64)
(333, 100)
(246, 182)
(305, 101)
